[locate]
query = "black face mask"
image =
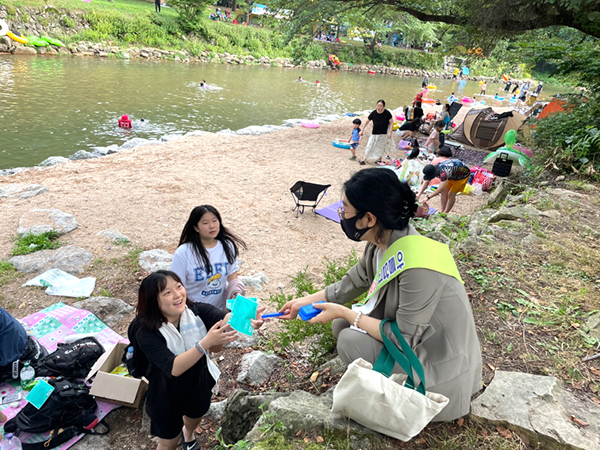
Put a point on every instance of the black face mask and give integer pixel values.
(349, 227)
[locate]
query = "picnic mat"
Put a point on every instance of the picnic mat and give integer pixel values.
(330, 212)
(49, 327)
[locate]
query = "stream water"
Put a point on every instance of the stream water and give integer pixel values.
(55, 106)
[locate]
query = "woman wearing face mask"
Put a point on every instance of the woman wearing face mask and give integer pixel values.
(410, 279)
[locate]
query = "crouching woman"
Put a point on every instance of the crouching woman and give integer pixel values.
(178, 336)
(423, 294)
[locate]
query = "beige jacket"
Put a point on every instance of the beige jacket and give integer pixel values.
(434, 315)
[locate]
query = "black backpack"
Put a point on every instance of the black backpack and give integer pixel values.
(34, 353)
(72, 360)
(68, 412)
(138, 364)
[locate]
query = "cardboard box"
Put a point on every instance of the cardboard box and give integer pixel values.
(113, 388)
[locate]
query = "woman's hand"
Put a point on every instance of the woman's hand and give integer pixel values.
(218, 335)
(258, 322)
(330, 311)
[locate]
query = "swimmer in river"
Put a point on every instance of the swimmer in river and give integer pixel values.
(203, 84)
(299, 79)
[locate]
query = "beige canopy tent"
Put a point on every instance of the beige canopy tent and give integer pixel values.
(484, 128)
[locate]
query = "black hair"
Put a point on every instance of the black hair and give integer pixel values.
(415, 151)
(439, 123)
(381, 193)
(357, 122)
(418, 104)
(148, 310)
(445, 151)
(447, 106)
(227, 238)
(382, 102)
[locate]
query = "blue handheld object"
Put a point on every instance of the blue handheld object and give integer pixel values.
(307, 312)
(242, 310)
(277, 314)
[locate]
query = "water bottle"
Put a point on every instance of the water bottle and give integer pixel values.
(129, 354)
(27, 376)
(11, 442)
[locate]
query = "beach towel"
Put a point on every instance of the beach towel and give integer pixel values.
(50, 326)
(330, 212)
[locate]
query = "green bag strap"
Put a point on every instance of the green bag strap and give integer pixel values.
(407, 359)
(413, 252)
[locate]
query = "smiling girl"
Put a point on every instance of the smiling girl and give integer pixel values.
(206, 259)
(178, 336)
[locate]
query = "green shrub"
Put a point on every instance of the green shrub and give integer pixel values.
(7, 272)
(30, 243)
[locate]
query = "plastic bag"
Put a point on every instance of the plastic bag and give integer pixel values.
(63, 284)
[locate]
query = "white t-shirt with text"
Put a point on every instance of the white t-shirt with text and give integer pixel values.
(200, 286)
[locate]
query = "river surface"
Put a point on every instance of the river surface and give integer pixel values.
(55, 106)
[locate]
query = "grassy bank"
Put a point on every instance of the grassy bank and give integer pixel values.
(134, 23)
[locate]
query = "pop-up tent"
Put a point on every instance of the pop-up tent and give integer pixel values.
(485, 128)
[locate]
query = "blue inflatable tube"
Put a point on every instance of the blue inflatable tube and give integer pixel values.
(338, 144)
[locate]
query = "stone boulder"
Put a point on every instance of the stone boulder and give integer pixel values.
(514, 213)
(53, 161)
(82, 154)
(71, 259)
(103, 151)
(301, 411)
(217, 410)
(137, 142)
(541, 409)
(478, 224)
(153, 260)
(109, 310)
(21, 190)
(39, 221)
(22, 50)
(438, 236)
(170, 137)
(241, 413)
(114, 236)
(257, 367)
(593, 323)
(499, 194)
(255, 281)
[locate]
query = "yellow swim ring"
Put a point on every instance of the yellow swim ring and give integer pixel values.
(16, 36)
(395, 126)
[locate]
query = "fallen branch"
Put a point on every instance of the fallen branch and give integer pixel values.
(589, 358)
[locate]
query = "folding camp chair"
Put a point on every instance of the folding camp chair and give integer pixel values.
(307, 194)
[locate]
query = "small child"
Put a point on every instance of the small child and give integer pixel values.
(355, 139)
(433, 142)
(483, 88)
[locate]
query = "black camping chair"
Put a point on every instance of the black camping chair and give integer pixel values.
(307, 194)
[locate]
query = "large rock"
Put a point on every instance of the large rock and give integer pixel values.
(114, 236)
(137, 142)
(39, 221)
(479, 221)
(593, 323)
(257, 367)
(21, 190)
(83, 154)
(71, 259)
(499, 194)
(301, 411)
(109, 310)
(53, 161)
(255, 281)
(540, 408)
(153, 260)
(241, 413)
(514, 213)
(22, 50)
(216, 410)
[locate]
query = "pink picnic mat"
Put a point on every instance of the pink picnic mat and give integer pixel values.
(49, 327)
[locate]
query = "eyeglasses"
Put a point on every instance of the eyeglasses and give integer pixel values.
(342, 213)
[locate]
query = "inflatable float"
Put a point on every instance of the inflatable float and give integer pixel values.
(52, 41)
(309, 124)
(428, 100)
(37, 42)
(340, 143)
(513, 99)
(372, 72)
(16, 36)
(452, 98)
(467, 100)
(395, 126)
(510, 139)
(400, 117)
(334, 60)
(3, 27)
(504, 77)
(431, 86)
(498, 98)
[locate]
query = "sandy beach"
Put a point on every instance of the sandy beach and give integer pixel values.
(148, 192)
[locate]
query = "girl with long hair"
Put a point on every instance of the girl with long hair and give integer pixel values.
(206, 259)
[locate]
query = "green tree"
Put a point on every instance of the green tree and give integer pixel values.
(190, 12)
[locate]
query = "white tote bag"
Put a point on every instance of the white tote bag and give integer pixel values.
(392, 406)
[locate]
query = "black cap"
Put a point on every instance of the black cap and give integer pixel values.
(430, 172)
